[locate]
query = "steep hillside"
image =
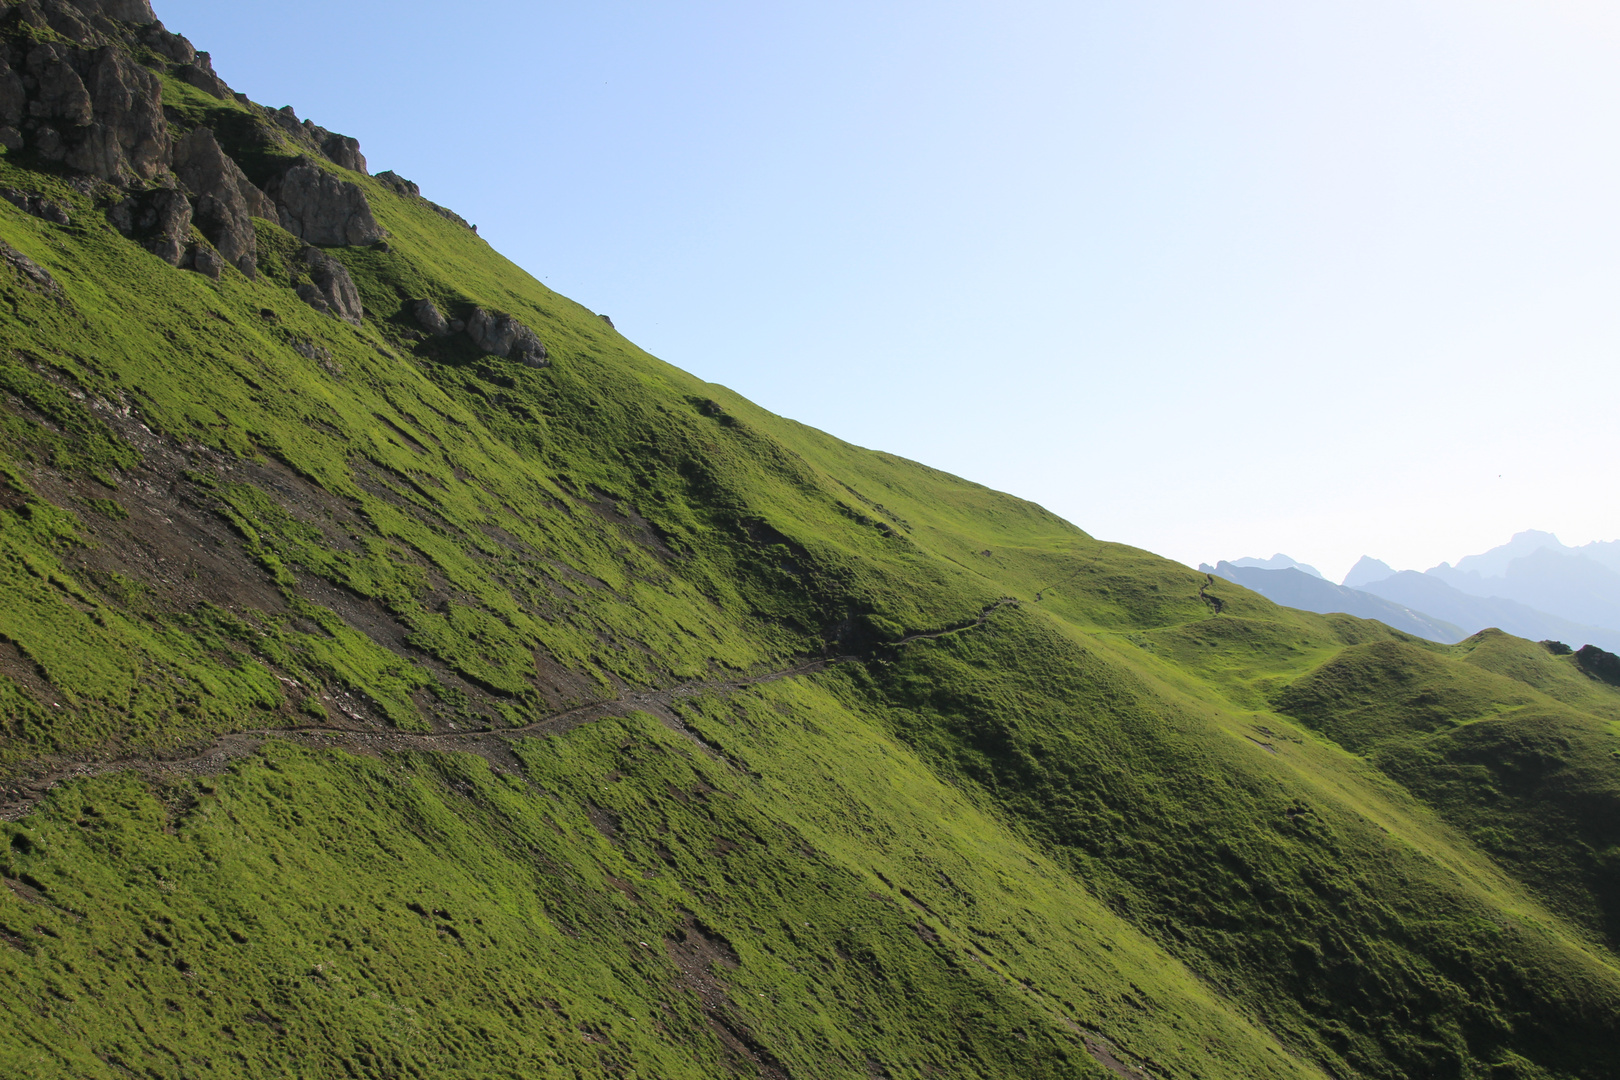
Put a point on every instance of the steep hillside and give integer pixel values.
(402, 674)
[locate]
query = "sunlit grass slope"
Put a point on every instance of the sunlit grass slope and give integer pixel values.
(1133, 819)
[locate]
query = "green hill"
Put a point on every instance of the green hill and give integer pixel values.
(377, 705)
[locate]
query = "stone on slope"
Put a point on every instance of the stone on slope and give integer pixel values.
(503, 336)
(227, 202)
(430, 318)
(321, 209)
(96, 111)
(330, 289)
(160, 219)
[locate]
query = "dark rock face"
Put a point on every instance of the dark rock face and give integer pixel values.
(131, 11)
(206, 261)
(32, 202)
(97, 111)
(34, 276)
(200, 73)
(430, 318)
(398, 184)
(172, 47)
(503, 336)
(330, 289)
(1599, 663)
(227, 202)
(318, 208)
(344, 151)
(160, 219)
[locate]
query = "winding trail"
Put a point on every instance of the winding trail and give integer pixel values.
(20, 795)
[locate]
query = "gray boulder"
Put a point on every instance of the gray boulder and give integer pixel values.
(227, 202)
(319, 208)
(200, 73)
(330, 289)
(503, 336)
(206, 261)
(398, 184)
(430, 318)
(13, 106)
(97, 111)
(344, 151)
(160, 219)
(32, 202)
(172, 47)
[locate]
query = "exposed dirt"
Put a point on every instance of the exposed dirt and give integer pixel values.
(697, 950)
(360, 735)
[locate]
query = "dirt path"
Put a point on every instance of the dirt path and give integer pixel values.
(20, 796)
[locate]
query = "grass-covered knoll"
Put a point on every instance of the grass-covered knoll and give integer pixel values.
(1130, 816)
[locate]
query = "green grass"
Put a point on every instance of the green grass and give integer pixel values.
(1261, 843)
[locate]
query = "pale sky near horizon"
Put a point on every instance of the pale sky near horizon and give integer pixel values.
(1215, 279)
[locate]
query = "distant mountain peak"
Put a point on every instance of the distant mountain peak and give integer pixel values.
(1279, 561)
(1366, 571)
(1494, 563)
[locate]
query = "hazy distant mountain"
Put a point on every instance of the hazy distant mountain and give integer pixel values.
(1535, 569)
(1434, 596)
(1293, 588)
(1278, 561)
(1368, 569)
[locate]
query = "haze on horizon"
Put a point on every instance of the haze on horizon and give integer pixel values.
(1213, 279)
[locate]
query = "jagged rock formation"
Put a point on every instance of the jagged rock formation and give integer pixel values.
(503, 336)
(227, 202)
(430, 318)
(31, 202)
(159, 218)
(321, 209)
(94, 110)
(330, 289)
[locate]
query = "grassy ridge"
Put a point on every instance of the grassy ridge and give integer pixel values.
(1230, 839)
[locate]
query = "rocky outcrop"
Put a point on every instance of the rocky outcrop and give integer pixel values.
(227, 202)
(160, 219)
(200, 73)
(172, 47)
(33, 275)
(503, 336)
(96, 111)
(430, 318)
(344, 151)
(321, 209)
(338, 149)
(330, 289)
(130, 11)
(32, 202)
(398, 184)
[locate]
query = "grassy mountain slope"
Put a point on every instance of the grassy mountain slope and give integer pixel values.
(816, 762)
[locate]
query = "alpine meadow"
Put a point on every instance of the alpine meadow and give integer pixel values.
(402, 674)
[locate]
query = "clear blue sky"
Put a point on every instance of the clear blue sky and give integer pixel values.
(1214, 278)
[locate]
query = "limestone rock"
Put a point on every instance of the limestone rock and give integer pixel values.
(160, 219)
(97, 111)
(430, 318)
(503, 336)
(319, 208)
(34, 276)
(13, 106)
(227, 201)
(32, 202)
(172, 47)
(398, 184)
(200, 73)
(206, 261)
(330, 289)
(344, 151)
(130, 11)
